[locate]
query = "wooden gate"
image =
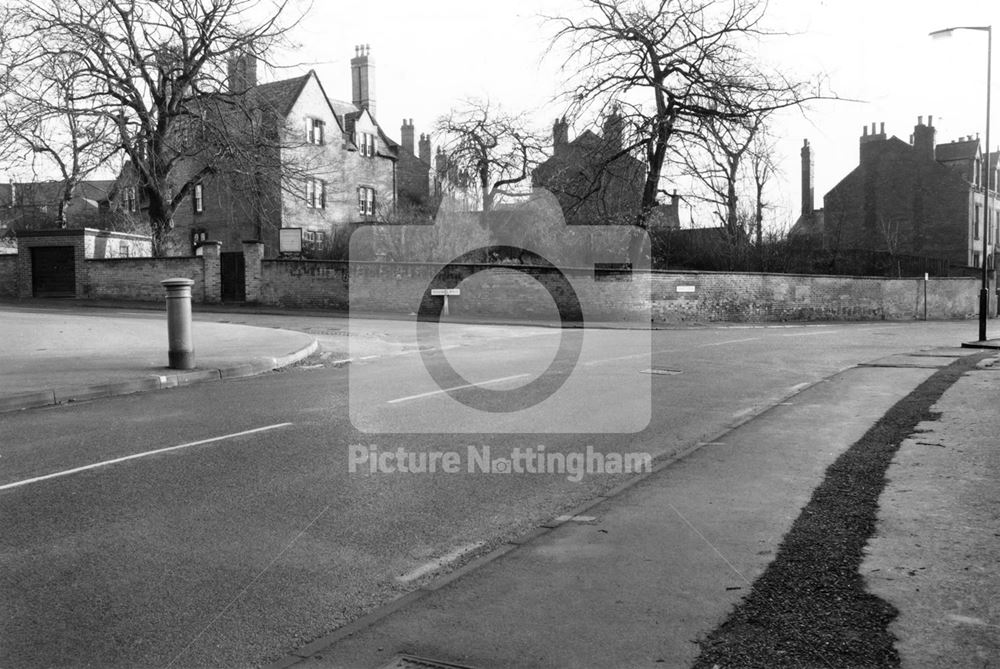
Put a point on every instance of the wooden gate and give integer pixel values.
(233, 270)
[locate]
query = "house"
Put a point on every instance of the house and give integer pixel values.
(414, 178)
(595, 181)
(332, 167)
(35, 205)
(915, 198)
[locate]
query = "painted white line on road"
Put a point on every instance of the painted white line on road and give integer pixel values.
(728, 341)
(447, 390)
(811, 334)
(436, 564)
(576, 519)
(77, 470)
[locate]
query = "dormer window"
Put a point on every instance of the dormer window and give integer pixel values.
(315, 131)
(366, 144)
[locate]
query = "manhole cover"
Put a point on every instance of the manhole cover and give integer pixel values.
(660, 370)
(414, 662)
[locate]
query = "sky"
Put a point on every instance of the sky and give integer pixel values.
(876, 55)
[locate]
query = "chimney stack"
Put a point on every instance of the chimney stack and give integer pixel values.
(406, 135)
(425, 148)
(242, 71)
(363, 78)
(807, 179)
(868, 140)
(613, 129)
(560, 134)
(923, 138)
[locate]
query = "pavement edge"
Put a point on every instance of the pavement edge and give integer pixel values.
(172, 379)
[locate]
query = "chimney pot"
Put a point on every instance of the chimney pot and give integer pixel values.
(864, 131)
(881, 128)
(920, 120)
(930, 121)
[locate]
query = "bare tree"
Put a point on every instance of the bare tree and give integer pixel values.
(712, 157)
(45, 117)
(669, 65)
(157, 71)
(495, 148)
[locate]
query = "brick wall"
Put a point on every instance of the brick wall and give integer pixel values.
(138, 278)
(665, 297)
(8, 275)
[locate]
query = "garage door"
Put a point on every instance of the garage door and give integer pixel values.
(53, 271)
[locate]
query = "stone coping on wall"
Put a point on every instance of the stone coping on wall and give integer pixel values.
(666, 272)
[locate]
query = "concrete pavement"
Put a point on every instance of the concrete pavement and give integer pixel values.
(55, 355)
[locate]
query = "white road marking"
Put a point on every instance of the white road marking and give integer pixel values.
(436, 564)
(576, 519)
(77, 470)
(728, 341)
(447, 390)
(810, 334)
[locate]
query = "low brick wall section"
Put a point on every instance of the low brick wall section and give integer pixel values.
(665, 297)
(8, 275)
(139, 278)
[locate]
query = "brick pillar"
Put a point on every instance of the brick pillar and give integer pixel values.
(23, 268)
(253, 254)
(212, 268)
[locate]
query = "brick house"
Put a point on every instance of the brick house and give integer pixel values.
(414, 182)
(915, 198)
(35, 205)
(592, 182)
(337, 167)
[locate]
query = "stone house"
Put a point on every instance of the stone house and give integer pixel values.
(915, 198)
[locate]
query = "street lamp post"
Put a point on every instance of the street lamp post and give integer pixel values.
(984, 292)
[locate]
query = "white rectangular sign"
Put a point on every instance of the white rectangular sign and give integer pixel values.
(685, 289)
(445, 291)
(290, 240)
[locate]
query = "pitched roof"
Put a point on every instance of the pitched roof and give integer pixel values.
(963, 150)
(280, 95)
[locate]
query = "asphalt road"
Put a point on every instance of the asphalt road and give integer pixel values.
(249, 536)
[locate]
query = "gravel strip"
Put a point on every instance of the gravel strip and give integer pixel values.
(810, 607)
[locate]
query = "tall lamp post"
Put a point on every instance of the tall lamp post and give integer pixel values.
(984, 292)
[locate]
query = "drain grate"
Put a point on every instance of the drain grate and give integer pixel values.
(660, 370)
(403, 661)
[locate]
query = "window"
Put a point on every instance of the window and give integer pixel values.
(198, 199)
(366, 201)
(314, 237)
(366, 144)
(315, 193)
(131, 202)
(975, 224)
(123, 249)
(315, 131)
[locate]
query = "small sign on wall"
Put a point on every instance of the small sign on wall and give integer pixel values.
(685, 289)
(290, 240)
